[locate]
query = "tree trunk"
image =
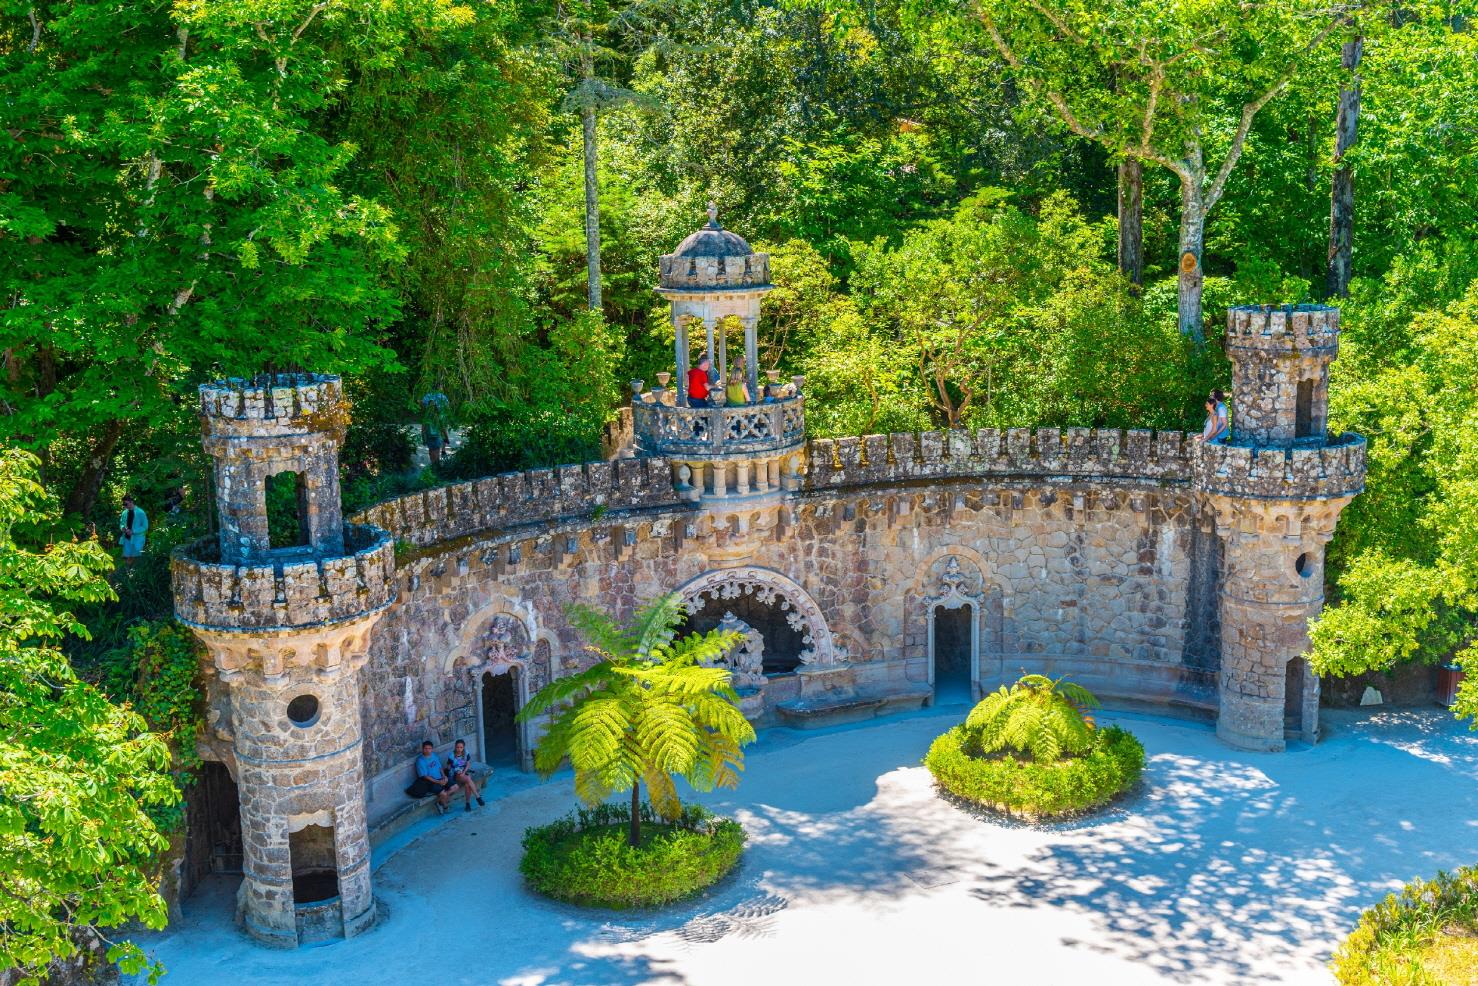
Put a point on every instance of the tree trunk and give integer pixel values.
(592, 212)
(1192, 242)
(633, 837)
(1342, 190)
(84, 494)
(1131, 220)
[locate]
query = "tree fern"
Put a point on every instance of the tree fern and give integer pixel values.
(650, 710)
(1043, 718)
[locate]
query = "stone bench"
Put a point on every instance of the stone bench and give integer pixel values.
(414, 809)
(816, 711)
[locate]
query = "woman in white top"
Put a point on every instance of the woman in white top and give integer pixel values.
(1217, 426)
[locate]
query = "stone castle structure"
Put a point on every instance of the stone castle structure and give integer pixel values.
(866, 574)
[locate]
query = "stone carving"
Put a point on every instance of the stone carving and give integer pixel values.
(955, 584)
(746, 659)
(674, 431)
(772, 589)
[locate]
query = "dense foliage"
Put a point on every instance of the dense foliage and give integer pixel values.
(79, 775)
(651, 709)
(1425, 936)
(1032, 790)
(1043, 718)
(585, 858)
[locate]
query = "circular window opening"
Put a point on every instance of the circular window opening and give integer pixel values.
(1302, 566)
(303, 711)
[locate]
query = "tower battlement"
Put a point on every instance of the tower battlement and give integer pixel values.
(1283, 328)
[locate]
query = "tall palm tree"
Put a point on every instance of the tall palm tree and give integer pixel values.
(649, 711)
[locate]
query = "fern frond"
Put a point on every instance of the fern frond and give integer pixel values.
(665, 733)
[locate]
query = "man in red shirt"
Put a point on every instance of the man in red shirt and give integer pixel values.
(698, 384)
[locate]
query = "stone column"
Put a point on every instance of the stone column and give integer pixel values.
(680, 357)
(1272, 586)
(751, 355)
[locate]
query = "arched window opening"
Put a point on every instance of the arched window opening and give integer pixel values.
(287, 510)
(1303, 414)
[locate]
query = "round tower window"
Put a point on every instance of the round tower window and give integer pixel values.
(303, 711)
(1303, 566)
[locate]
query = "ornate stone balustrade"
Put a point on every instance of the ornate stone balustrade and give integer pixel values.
(285, 593)
(1303, 473)
(744, 429)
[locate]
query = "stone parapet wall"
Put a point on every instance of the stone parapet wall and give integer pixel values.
(1164, 456)
(708, 273)
(286, 592)
(517, 498)
(1283, 328)
(1302, 473)
(293, 404)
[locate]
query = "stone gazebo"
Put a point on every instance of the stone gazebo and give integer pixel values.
(726, 450)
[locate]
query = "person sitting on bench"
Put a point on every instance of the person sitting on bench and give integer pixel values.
(430, 779)
(459, 768)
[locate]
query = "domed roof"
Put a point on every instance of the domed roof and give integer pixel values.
(713, 241)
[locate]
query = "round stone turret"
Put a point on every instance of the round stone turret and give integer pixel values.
(1280, 372)
(286, 628)
(1275, 489)
(285, 423)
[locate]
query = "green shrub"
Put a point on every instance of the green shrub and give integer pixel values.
(1023, 787)
(1426, 936)
(584, 858)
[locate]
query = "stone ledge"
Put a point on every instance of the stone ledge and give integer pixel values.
(1317, 472)
(815, 712)
(412, 810)
(287, 592)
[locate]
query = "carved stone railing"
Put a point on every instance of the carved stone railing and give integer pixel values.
(744, 429)
(1335, 469)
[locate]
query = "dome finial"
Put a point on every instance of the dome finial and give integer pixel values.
(713, 214)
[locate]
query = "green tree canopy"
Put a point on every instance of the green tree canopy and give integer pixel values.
(78, 774)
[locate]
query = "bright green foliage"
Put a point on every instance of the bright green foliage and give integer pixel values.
(1393, 938)
(648, 711)
(1412, 591)
(585, 858)
(1112, 765)
(78, 774)
(1043, 717)
(157, 674)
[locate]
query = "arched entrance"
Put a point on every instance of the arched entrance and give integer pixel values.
(793, 632)
(505, 667)
(953, 611)
(498, 705)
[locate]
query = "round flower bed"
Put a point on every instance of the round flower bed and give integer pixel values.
(1427, 936)
(1022, 787)
(585, 858)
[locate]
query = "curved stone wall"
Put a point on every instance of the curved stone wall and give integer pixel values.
(287, 592)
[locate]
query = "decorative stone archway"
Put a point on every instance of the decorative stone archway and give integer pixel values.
(503, 643)
(820, 648)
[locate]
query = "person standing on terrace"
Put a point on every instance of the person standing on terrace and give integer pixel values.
(698, 383)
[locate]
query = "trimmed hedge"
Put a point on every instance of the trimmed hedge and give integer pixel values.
(1426, 936)
(584, 858)
(1036, 791)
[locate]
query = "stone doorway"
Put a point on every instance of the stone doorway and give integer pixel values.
(213, 827)
(315, 868)
(952, 652)
(499, 696)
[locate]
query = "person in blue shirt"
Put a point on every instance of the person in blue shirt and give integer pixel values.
(459, 769)
(431, 779)
(133, 524)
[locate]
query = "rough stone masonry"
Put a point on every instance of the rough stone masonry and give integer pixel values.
(1147, 566)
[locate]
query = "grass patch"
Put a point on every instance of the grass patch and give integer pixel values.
(1020, 787)
(584, 858)
(1425, 936)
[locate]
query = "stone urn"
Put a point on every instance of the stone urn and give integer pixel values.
(798, 382)
(636, 389)
(662, 379)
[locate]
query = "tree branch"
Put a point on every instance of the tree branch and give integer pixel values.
(1239, 140)
(35, 30)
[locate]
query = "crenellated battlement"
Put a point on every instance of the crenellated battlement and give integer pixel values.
(514, 498)
(289, 405)
(1283, 328)
(1084, 452)
(286, 593)
(1303, 473)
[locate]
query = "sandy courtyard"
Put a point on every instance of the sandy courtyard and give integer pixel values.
(1225, 868)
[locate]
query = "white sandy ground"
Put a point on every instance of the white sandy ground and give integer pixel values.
(1225, 868)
